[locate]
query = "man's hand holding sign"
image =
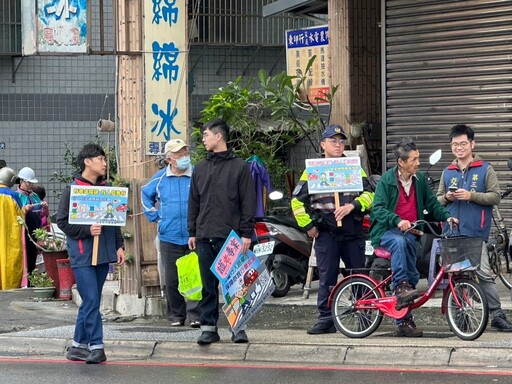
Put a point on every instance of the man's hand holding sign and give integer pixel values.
(97, 206)
(335, 175)
(332, 190)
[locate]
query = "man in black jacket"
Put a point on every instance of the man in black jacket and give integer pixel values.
(222, 198)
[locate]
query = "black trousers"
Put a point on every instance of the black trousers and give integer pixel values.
(177, 307)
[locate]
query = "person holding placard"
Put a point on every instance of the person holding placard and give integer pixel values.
(318, 215)
(165, 200)
(402, 197)
(88, 338)
(222, 199)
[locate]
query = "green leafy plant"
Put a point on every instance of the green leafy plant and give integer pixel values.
(40, 279)
(127, 235)
(129, 259)
(267, 117)
(46, 241)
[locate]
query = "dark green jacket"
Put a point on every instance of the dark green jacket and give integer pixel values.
(383, 216)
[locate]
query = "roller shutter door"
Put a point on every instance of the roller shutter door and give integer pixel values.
(449, 62)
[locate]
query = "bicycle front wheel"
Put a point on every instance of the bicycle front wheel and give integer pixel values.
(348, 319)
(504, 267)
(467, 312)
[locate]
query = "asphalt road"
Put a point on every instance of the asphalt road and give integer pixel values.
(50, 372)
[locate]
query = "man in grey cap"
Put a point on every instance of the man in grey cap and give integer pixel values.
(170, 187)
(318, 215)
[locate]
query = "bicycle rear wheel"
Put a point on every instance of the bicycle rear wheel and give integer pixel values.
(504, 267)
(468, 319)
(348, 319)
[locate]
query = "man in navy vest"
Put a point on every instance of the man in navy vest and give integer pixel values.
(469, 188)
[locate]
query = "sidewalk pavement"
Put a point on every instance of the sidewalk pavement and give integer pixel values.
(130, 339)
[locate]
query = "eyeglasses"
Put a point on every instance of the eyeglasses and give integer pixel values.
(462, 144)
(336, 141)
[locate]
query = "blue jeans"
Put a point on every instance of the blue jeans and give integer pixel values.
(403, 256)
(89, 328)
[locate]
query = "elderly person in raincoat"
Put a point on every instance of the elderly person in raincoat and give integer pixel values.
(11, 251)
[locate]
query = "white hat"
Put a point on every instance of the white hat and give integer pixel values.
(175, 145)
(27, 174)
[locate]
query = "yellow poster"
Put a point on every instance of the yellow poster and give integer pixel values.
(166, 72)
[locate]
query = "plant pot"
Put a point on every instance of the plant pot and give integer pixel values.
(66, 279)
(43, 292)
(50, 264)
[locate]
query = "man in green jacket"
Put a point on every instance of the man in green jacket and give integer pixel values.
(402, 197)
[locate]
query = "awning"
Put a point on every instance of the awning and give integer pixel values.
(306, 7)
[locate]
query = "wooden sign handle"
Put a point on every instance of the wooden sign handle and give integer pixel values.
(337, 205)
(95, 245)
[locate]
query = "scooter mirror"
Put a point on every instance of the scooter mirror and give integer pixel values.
(435, 157)
(275, 195)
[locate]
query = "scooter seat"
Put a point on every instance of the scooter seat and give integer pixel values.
(288, 221)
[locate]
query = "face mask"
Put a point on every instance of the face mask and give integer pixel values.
(183, 163)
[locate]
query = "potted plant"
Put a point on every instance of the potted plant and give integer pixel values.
(51, 240)
(52, 244)
(43, 285)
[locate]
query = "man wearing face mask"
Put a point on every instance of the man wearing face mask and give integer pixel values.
(170, 187)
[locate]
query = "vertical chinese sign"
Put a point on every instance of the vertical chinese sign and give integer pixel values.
(165, 69)
(61, 26)
(301, 46)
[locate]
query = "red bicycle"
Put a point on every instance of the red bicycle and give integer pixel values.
(359, 302)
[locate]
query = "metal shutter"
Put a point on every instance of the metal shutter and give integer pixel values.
(449, 62)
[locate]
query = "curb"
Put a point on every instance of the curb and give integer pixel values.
(412, 355)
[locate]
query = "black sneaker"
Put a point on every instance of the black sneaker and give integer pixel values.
(208, 337)
(500, 323)
(239, 338)
(97, 356)
(321, 328)
(408, 329)
(77, 354)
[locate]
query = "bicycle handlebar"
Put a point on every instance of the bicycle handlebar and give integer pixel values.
(428, 224)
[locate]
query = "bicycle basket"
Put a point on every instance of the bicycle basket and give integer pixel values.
(461, 253)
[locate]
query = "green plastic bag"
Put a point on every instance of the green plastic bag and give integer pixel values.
(190, 284)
